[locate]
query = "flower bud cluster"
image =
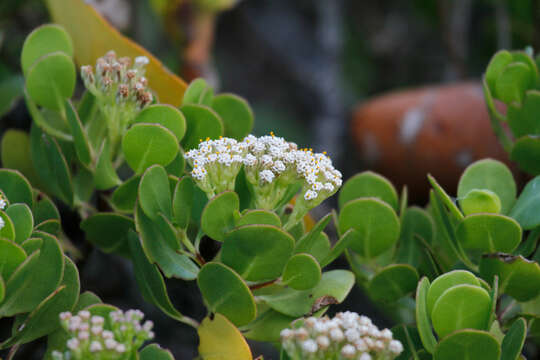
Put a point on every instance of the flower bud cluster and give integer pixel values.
(346, 336)
(3, 201)
(271, 165)
(116, 81)
(93, 337)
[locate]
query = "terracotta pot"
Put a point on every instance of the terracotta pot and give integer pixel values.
(435, 129)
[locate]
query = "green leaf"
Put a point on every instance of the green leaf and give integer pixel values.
(165, 115)
(149, 279)
(409, 338)
(82, 145)
(301, 272)
(154, 193)
(34, 279)
(393, 282)
(522, 119)
(524, 211)
(257, 252)
(202, 122)
(512, 82)
(334, 286)
(44, 319)
(155, 352)
(225, 292)
(307, 241)
(108, 231)
(489, 233)
(415, 222)
(105, 176)
(8, 230)
(480, 201)
(518, 277)
(53, 169)
(320, 248)
(489, 174)
(376, 224)
(220, 214)
(219, 339)
(44, 40)
(2, 289)
(51, 79)
(195, 91)
(178, 165)
(235, 113)
(15, 187)
(496, 65)
(268, 325)
(513, 340)
(526, 152)
(342, 244)
(259, 216)
(16, 154)
(445, 282)
(145, 145)
(11, 256)
(445, 199)
(44, 209)
(183, 201)
(422, 316)
(23, 221)
(368, 184)
(31, 245)
(124, 196)
(159, 244)
(468, 344)
(461, 307)
(85, 300)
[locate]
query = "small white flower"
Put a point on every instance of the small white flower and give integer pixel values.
(348, 351)
(323, 341)
(365, 356)
(97, 320)
(3, 203)
(352, 335)
(73, 344)
(266, 176)
(361, 345)
(95, 346)
(83, 335)
(120, 348)
(110, 344)
(301, 334)
(84, 314)
(395, 347)
(386, 334)
(336, 335)
(66, 315)
(309, 346)
(107, 334)
(286, 334)
(141, 60)
(310, 195)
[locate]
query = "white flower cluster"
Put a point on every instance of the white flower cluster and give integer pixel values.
(346, 336)
(92, 337)
(271, 165)
(3, 204)
(115, 79)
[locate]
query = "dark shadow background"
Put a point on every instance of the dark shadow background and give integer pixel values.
(303, 65)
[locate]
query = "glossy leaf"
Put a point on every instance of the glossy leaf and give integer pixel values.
(267, 326)
(147, 144)
(93, 37)
(524, 209)
(195, 91)
(8, 230)
(155, 352)
(307, 241)
(165, 115)
(23, 221)
(15, 187)
(512, 82)
(34, 279)
(415, 223)
(393, 282)
(340, 246)
(82, 145)
(461, 307)
(221, 340)
(376, 224)
(226, 293)
(257, 252)
(160, 246)
(235, 113)
(202, 122)
(51, 80)
(489, 233)
(334, 286)
(259, 216)
(183, 201)
(154, 193)
(220, 214)
(518, 277)
(301, 272)
(496, 65)
(422, 316)
(124, 196)
(480, 201)
(368, 184)
(468, 344)
(445, 282)
(149, 279)
(107, 230)
(522, 119)
(11, 256)
(491, 175)
(514, 340)
(526, 152)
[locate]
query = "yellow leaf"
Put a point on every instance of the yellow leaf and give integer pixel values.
(93, 37)
(221, 340)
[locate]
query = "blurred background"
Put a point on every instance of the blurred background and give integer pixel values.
(391, 86)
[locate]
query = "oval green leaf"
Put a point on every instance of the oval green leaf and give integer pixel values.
(525, 210)
(445, 282)
(202, 122)
(15, 187)
(393, 282)
(489, 233)
(235, 113)
(468, 344)
(526, 152)
(108, 231)
(154, 193)
(11, 256)
(23, 221)
(422, 316)
(166, 116)
(220, 214)
(301, 272)
(368, 184)
(44, 40)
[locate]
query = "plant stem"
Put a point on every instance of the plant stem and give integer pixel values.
(262, 285)
(12, 351)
